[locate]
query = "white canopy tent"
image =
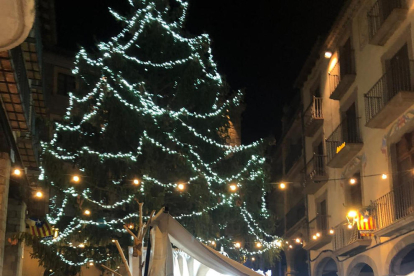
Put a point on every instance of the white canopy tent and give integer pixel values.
(198, 260)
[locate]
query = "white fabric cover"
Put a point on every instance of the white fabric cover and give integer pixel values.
(166, 229)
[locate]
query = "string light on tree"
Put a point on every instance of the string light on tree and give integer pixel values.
(176, 125)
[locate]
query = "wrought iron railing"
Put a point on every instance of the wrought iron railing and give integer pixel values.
(393, 206)
(318, 227)
(295, 214)
(345, 66)
(334, 77)
(316, 166)
(343, 235)
(397, 78)
(314, 110)
(380, 12)
(294, 154)
(347, 132)
(21, 80)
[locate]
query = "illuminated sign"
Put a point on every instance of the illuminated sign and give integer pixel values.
(339, 148)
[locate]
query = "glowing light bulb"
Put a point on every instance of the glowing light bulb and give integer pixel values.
(90, 263)
(297, 240)
(237, 245)
(253, 259)
(258, 245)
(213, 243)
(331, 232)
(328, 54)
(113, 240)
(384, 176)
(87, 212)
(17, 172)
(352, 214)
(233, 187)
(76, 178)
(290, 246)
(136, 181)
(39, 194)
(282, 186)
(350, 226)
(352, 181)
(318, 234)
(314, 237)
(181, 187)
(81, 245)
(131, 226)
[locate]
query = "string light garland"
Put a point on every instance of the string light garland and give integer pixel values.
(188, 137)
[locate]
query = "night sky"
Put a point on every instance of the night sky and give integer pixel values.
(258, 45)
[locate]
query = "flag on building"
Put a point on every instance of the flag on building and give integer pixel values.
(41, 229)
(365, 223)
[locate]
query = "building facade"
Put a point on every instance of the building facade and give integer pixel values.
(357, 90)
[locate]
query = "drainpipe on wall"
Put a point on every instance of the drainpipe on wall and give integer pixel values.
(304, 181)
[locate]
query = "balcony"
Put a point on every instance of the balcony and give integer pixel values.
(295, 218)
(15, 90)
(393, 213)
(348, 242)
(313, 117)
(293, 160)
(344, 143)
(316, 174)
(319, 235)
(390, 96)
(342, 75)
(384, 18)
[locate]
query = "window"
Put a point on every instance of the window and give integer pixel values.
(323, 217)
(65, 84)
(354, 192)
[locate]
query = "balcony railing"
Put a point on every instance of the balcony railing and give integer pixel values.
(344, 236)
(316, 167)
(394, 206)
(377, 16)
(313, 116)
(318, 227)
(342, 75)
(295, 214)
(294, 155)
(345, 134)
(397, 78)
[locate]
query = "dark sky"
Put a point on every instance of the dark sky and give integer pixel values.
(258, 45)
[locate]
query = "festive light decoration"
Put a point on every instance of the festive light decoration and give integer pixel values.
(282, 186)
(76, 178)
(331, 231)
(233, 187)
(384, 176)
(190, 137)
(352, 214)
(352, 181)
(17, 172)
(328, 54)
(297, 240)
(39, 194)
(87, 212)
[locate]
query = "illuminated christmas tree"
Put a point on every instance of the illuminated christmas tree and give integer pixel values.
(150, 122)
